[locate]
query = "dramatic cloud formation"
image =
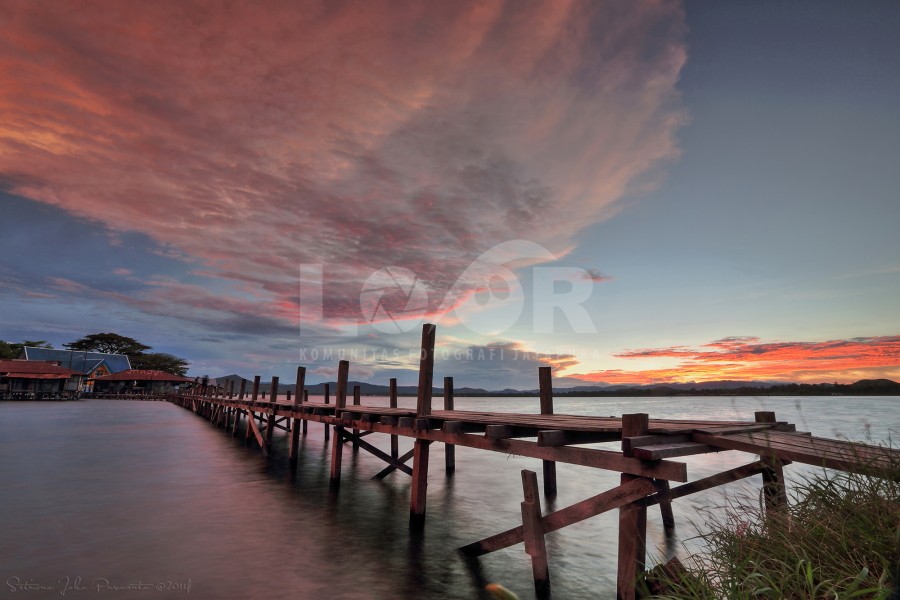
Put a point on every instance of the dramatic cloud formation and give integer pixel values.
(253, 139)
(746, 358)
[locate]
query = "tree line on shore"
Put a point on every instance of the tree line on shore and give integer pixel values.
(108, 343)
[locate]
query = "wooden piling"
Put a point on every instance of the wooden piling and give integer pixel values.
(293, 451)
(270, 423)
(632, 522)
(774, 492)
(243, 389)
(327, 393)
(545, 381)
(533, 532)
(356, 402)
(392, 394)
(449, 449)
(665, 505)
(254, 394)
(305, 400)
(340, 401)
(421, 447)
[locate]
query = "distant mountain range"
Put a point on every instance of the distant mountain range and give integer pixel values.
(864, 387)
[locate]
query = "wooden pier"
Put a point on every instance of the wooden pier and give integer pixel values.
(644, 460)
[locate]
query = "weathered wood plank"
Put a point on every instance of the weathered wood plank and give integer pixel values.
(671, 450)
(558, 437)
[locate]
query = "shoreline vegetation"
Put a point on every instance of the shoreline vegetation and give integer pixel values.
(838, 538)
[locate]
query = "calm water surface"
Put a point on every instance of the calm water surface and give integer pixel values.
(123, 493)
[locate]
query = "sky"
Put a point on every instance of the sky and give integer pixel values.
(630, 193)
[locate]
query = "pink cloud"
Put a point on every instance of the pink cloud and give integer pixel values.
(358, 135)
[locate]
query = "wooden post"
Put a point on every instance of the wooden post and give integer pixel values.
(665, 505)
(237, 419)
(421, 447)
(289, 396)
(305, 400)
(243, 389)
(340, 401)
(254, 394)
(449, 449)
(774, 492)
(356, 402)
(546, 384)
(293, 451)
(426, 371)
(327, 399)
(632, 522)
(392, 387)
(270, 425)
(533, 531)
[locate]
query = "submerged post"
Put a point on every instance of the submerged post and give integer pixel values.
(632, 521)
(340, 401)
(546, 384)
(421, 447)
(449, 449)
(392, 387)
(295, 424)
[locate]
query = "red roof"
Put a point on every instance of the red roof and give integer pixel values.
(142, 375)
(22, 368)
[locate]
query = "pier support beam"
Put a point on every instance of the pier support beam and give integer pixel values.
(774, 492)
(356, 402)
(295, 425)
(305, 399)
(546, 385)
(632, 522)
(270, 423)
(449, 449)
(327, 394)
(421, 447)
(533, 533)
(337, 444)
(392, 387)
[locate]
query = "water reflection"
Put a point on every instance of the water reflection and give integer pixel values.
(140, 491)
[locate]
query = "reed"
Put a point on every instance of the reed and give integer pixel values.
(838, 538)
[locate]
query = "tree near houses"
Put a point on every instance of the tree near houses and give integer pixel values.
(160, 361)
(108, 343)
(113, 343)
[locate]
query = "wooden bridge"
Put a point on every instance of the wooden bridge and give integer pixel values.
(644, 461)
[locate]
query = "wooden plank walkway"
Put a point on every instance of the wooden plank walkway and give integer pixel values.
(643, 457)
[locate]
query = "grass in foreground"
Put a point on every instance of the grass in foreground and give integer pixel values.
(840, 538)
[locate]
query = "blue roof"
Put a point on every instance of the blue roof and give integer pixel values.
(78, 360)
